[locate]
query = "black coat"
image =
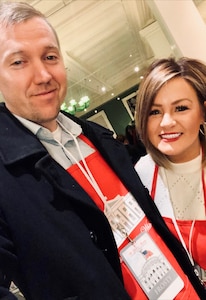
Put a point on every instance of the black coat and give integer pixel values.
(55, 244)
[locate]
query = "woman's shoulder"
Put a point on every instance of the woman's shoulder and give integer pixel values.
(144, 162)
(145, 169)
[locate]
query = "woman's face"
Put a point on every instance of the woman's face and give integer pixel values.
(174, 121)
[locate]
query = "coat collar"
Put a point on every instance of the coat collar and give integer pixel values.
(18, 143)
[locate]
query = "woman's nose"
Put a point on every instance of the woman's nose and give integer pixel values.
(167, 120)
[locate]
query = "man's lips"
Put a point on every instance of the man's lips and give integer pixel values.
(42, 93)
(170, 136)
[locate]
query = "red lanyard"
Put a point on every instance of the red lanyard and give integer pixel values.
(204, 188)
(154, 184)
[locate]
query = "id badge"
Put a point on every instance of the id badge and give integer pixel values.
(151, 269)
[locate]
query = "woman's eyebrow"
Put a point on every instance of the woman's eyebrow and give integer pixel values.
(174, 102)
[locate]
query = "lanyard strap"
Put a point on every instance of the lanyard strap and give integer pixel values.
(204, 188)
(153, 191)
(154, 182)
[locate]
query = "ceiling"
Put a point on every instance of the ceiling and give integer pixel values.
(102, 43)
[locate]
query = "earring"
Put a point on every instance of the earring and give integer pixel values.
(202, 130)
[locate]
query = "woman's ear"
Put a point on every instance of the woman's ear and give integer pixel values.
(204, 112)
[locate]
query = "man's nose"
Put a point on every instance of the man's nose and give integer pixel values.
(41, 73)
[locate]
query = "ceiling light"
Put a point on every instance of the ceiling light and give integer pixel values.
(73, 102)
(75, 106)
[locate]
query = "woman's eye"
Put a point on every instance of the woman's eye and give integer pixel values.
(154, 112)
(181, 108)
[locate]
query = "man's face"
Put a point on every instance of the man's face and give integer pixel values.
(32, 73)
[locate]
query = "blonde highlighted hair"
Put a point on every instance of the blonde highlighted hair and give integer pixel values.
(160, 72)
(16, 12)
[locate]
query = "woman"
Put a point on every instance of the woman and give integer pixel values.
(170, 118)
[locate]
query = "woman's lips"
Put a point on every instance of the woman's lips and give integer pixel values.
(170, 136)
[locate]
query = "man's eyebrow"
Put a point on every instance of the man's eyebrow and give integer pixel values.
(23, 52)
(52, 47)
(15, 53)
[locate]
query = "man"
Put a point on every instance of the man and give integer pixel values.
(55, 175)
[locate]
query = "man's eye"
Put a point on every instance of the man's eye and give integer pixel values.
(17, 63)
(154, 112)
(51, 57)
(181, 108)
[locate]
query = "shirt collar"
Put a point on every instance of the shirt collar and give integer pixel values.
(44, 134)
